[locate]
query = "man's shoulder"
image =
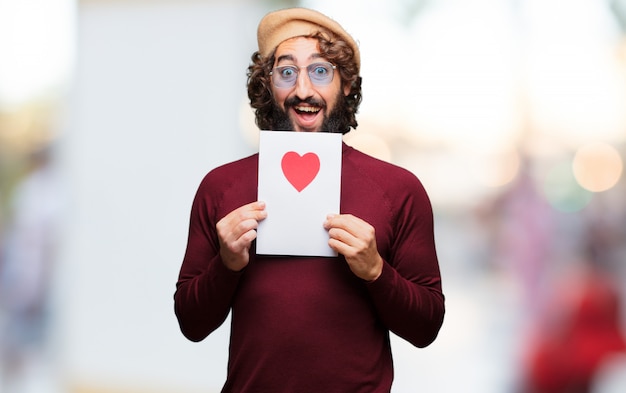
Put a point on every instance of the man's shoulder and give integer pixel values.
(241, 171)
(390, 180)
(238, 167)
(375, 167)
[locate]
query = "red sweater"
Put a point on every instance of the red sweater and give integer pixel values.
(307, 324)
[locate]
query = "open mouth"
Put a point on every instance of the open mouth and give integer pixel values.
(304, 110)
(307, 114)
(306, 117)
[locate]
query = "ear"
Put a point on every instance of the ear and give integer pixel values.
(346, 90)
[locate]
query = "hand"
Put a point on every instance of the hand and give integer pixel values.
(236, 231)
(355, 239)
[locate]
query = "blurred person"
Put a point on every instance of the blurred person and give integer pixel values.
(521, 227)
(579, 335)
(26, 265)
(606, 229)
(311, 324)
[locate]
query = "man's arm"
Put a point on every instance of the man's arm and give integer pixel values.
(406, 290)
(215, 254)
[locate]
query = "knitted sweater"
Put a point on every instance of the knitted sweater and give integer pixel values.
(308, 324)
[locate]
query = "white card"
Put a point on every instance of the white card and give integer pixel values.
(300, 182)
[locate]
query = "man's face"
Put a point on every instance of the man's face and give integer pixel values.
(306, 105)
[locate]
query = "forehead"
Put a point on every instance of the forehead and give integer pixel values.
(297, 50)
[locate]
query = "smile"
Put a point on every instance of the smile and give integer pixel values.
(307, 109)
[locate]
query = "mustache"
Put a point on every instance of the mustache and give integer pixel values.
(293, 101)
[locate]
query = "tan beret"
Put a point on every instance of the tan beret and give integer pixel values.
(282, 25)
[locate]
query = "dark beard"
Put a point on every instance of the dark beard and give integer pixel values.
(337, 121)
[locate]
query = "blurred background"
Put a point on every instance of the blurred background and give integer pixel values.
(511, 112)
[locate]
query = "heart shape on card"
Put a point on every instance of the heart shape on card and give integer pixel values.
(300, 170)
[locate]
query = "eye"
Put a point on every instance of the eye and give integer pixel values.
(320, 70)
(287, 72)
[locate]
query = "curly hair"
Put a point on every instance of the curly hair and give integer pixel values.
(335, 50)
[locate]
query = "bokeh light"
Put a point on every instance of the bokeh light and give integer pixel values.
(370, 144)
(597, 166)
(500, 168)
(562, 190)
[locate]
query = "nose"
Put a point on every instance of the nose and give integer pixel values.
(304, 87)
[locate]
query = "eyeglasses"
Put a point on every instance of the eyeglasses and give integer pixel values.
(320, 74)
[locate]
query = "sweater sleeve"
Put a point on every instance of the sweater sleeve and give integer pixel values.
(408, 295)
(205, 287)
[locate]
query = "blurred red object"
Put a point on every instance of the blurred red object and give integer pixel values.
(582, 331)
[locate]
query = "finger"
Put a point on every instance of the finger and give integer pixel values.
(244, 227)
(244, 241)
(254, 210)
(237, 244)
(236, 231)
(337, 220)
(342, 236)
(338, 246)
(354, 226)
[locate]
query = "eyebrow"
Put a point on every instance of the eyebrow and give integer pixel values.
(289, 57)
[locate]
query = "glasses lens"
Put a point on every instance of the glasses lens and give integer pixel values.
(285, 76)
(320, 73)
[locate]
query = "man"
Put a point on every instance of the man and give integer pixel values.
(311, 324)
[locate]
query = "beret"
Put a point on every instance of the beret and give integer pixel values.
(284, 24)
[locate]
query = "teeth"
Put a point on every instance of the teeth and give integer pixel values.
(309, 109)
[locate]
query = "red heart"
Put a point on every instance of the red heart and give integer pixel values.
(300, 170)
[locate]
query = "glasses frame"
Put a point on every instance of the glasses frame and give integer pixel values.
(310, 69)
